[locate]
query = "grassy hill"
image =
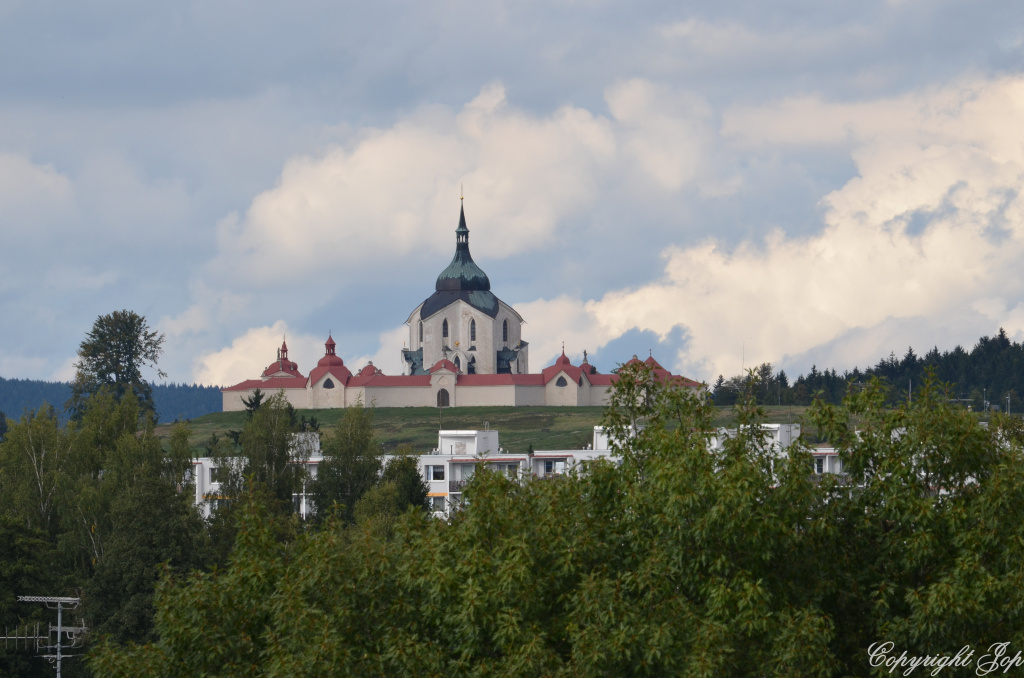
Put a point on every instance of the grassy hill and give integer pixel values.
(546, 428)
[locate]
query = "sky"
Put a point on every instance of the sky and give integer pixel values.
(720, 184)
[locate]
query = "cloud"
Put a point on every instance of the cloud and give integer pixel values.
(386, 194)
(30, 193)
(249, 354)
(388, 356)
(933, 221)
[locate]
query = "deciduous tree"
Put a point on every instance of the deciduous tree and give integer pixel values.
(112, 356)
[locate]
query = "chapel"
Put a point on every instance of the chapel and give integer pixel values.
(465, 348)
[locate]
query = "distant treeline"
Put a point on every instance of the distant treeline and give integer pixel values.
(981, 378)
(173, 401)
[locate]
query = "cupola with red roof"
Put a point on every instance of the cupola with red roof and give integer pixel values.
(330, 358)
(282, 366)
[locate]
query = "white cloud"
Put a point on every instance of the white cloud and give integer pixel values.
(30, 193)
(664, 131)
(391, 193)
(933, 222)
(249, 354)
(388, 356)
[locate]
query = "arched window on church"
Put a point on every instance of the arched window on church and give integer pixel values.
(328, 383)
(421, 331)
(444, 329)
(458, 364)
(504, 331)
(442, 398)
(561, 382)
(472, 330)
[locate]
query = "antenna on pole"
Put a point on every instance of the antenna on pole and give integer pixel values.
(75, 634)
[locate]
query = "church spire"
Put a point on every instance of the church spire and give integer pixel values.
(462, 274)
(462, 232)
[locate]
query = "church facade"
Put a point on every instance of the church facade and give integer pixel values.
(465, 349)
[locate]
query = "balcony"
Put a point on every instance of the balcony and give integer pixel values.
(457, 485)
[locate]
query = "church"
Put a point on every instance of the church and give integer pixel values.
(465, 349)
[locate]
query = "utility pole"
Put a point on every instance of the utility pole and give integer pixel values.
(74, 633)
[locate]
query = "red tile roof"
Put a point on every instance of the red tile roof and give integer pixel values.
(444, 364)
(339, 372)
(268, 385)
(499, 380)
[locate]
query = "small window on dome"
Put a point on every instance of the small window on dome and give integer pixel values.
(444, 329)
(561, 382)
(472, 330)
(504, 331)
(421, 331)
(328, 383)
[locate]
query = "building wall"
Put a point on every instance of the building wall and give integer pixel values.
(460, 317)
(530, 396)
(403, 396)
(324, 398)
(504, 395)
(487, 395)
(562, 396)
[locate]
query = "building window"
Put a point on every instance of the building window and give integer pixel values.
(458, 364)
(435, 472)
(421, 331)
(437, 503)
(819, 465)
(554, 467)
(217, 475)
(561, 382)
(444, 329)
(443, 399)
(472, 330)
(328, 383)
(504, 331)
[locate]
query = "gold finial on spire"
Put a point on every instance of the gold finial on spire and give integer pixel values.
(461, 195)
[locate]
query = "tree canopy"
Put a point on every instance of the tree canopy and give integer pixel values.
(112, 356)
(682, 560)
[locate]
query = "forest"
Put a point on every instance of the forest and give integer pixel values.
(981, 379)
(173, 401)
(681, 560)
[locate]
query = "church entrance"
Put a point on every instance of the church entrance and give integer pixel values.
(443, 398)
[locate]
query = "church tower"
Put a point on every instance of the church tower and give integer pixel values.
(463, 322)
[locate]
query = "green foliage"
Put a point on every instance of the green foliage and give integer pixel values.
(36, 455)
(268, 447)
(111, 357)
(110, 505)
(981, 378)
(928, 547)
(351, 464)
(686, 559)
(172, 401)
(411, 488)
(253, 402)
(26, 569)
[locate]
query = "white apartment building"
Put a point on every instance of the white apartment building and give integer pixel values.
(448, 468)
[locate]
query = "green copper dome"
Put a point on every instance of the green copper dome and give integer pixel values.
(463, 279)
(462, 274)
